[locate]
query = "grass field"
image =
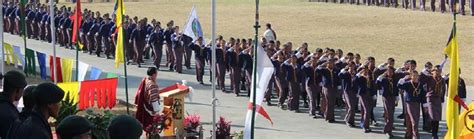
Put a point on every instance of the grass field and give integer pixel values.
(370, 31)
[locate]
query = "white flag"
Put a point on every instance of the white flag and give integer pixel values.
(193, 26)
(264, 74)
(82, 70)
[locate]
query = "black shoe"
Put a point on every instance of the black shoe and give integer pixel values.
(269, 103)
(305, 105)
(331, 121)
(389, 135)
(401, 116)
(367, 130)
(202, 83)
(237, 94)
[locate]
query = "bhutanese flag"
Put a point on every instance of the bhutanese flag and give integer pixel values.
(466, 120)
(453, 101)
(119, 54)
(77, 19)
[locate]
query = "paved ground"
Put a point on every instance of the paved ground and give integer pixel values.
(286, 124)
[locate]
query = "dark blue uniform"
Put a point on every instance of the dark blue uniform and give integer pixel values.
(200, 55)
(350, 95)
(330, 81)
(235, 66)
(414, 96)
(8, 114)
(247, 64)
(104, 32)
(169, 49)
(156, 40)
(291, 71)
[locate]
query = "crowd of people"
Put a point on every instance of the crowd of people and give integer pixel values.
(322, 80)
(453, 5)
(42, 102)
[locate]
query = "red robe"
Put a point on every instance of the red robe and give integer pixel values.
(141, 100)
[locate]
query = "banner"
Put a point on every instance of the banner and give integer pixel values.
(18, 57)
(58, 69)
(71, 90)
(95, 73)
(82, 70)
(67, 65)
(105, 90)
(42, 64)
(9, 55)
(193, 26)
(30, 65)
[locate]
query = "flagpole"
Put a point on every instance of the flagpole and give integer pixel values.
(254, 108)
(3, 49)
(213, 66)
(53, 39)
(78, 2)
(23, 31)
(124, 58)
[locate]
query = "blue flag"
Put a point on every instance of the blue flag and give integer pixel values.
(42, 64)
(95, 73)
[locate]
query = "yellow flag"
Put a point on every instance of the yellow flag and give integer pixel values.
(66, 65)
(71, 89)
(452, 105)
(80, 45)
(119, 54)
(9, 56)
(466, 120)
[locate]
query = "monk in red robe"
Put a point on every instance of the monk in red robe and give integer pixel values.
(147, 98)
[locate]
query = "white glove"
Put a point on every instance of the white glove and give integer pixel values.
(339, 87)
(374, 97)
(425, 105)
(156, 106)
(397, 99)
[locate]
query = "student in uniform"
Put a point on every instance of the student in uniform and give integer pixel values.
(436, 89)
(137, 38)
(291, 69)
(330, 81)
(13, 84)
(387, 84)
(177, 50)
(156, 40)
(247, 64)
(362, 84)
(28, 102)
(104, 33)
(347, 76)
(414, 97)
(372, 86)
(200, 56)
(270, 50)
(281, 83)
(235, 66)
(187, 41)
(36, 126)
(169, 44)
(221, 64)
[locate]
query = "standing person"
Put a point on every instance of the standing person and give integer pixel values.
(422, 5)
(442, 5)
(291, 68)
(433, 5)
(436, 89)
(347, 76)
(200, 56)
(221, 64)
(234, 63)
(270, 51)
(48, 97)
(74, 127)
(330, 81)
(147, 98)
(302, 55)
(471, 6)
(247, 64)
(178, 50)
(169, 44)
(461, 89)
(13, 84)
(362, 84)
(372, 86)
(414, 96)
(281, 82)
(137, 38)
(28, 103)
(413, 4)
(156, 40)
(387, 85)
(188, 52)
(269, 33)
(104, 33)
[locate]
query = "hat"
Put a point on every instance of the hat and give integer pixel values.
(48, 93)
(73, 126)
(124, 127)
(14, 79)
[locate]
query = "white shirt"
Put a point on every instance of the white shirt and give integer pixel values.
(268, 34)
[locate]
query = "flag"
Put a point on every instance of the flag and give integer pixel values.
(263, 75)
(42, 64)
(9, 54)
(66, 65)
(76, 18)
(71, 89)
(95, 73)
(58, 69)
(453, 100)
(111, 75)
(119, 54)
(18, 58)
(30, 63)
(82, 70)
(193, 26)
(466, 120)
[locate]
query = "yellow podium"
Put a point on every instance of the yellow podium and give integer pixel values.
(173, 102)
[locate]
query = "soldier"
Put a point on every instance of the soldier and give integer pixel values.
(104, 33)
(221, 64)
(347, 76)
(177, 50)
(156, 40)
(330, 81)
(291, 69)
(169, 51)
(414, 96)
(387, 85)
(85, 27)
(187, 51)
(270, 50)
(116, 130)
(235, 66)
(73, 127)
(48, 96)
(137, 38)
(13, 84)
(92, 38)
(247, 64)
(200, 56)
(436, 88)
(362, 84)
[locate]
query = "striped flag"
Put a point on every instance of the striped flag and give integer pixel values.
(119, 54)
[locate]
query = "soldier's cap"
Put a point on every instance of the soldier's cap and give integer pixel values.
(72, 126)
(124, 127)
(14, 79)
(48, 93)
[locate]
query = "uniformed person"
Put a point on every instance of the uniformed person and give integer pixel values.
(362, 84)
(436, 89)
(74, 127)
(330, 81)
(13, 84)
(137, 38)
(414, 97)
(221, 64)
(200, 56)
(247, 64)
(291, 70)
(178, 50)
(387, 84)
(104, 33)
(36, 126)
(117, 130)
(156, 41)
(169, 44)
(347, 76)
(235, 66)
(281, 83)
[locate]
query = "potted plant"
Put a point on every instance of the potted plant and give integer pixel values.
(100, 120)
(223, 129)
(159, 124)
(191, 124)
(68, 107)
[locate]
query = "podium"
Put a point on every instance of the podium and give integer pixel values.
(173, 102)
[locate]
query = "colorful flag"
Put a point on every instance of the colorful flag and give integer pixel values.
(453, 100)
(71, 90)
(30, 63)
(42, 64)
(95, 73)
(67, 65)
(58, 69)
(119, 54)
(104, 90)
(18, 57)
(9, 54)
(82, 70)
(263, 75)
(193, 26)
(76, 19)
(111, 75)
(466, 120)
